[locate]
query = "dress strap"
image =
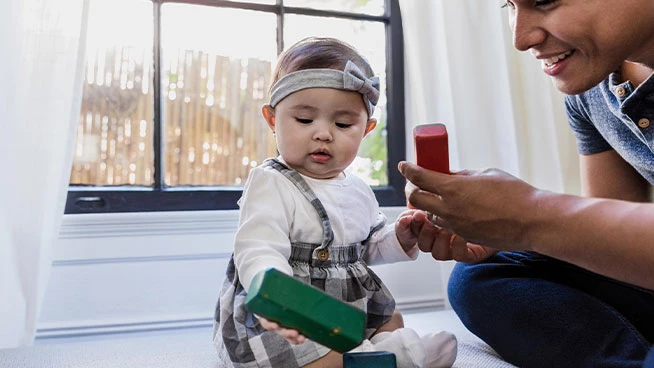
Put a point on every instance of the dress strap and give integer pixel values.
(308, 193)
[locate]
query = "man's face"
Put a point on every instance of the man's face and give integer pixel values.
(580, 42)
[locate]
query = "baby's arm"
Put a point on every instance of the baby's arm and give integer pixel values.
(395, 242)
(262, 238)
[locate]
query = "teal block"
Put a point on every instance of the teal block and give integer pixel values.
(371, 359)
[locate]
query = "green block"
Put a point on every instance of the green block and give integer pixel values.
(302, 307)
(369, 359)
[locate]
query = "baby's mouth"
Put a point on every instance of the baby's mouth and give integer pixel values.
(320, 156)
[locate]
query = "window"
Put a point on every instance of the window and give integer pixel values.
(170, 118)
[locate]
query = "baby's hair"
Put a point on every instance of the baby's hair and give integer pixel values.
(318, 53)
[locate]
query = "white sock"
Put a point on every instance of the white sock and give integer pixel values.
(365, 346)
(440, 349)
(380, 336)
(433, 350)
(405, 344)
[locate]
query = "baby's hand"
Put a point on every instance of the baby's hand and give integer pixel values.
(292, 336)
(408, 226)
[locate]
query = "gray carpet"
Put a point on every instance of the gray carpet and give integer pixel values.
(193, 348)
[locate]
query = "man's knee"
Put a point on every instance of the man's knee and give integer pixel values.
(462, 285)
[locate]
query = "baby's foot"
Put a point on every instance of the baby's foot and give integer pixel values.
(440, 349)
(405, 344)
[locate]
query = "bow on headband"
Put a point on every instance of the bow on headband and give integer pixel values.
(355, 80)
(350, 79)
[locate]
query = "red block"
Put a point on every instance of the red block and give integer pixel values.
(431, 147)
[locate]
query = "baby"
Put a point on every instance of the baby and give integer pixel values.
(304, 215)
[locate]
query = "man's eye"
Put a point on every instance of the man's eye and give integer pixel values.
(304, 121)
(544, 2)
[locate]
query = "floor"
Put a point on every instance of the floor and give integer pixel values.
(193, 348)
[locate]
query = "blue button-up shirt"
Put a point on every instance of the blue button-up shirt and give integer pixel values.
(614, 115)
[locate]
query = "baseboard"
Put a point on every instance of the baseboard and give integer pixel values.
(420, 305)
(98, 328)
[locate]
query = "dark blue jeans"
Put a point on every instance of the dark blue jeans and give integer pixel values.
(536, 311)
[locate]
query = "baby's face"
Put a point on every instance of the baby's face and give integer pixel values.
(319, 130)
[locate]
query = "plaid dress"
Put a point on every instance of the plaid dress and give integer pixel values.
(336, 269)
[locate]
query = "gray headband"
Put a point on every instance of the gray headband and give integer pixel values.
(350, 79)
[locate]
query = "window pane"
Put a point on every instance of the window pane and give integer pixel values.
(217, 64)
(372, 7)
(370, 40)
(114, 135)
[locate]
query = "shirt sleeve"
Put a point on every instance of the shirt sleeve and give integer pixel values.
(589, 139)
(262, 238)
(383, 247)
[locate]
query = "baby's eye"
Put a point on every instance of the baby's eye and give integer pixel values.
(508, 4)
(343, 125)
(303, 121)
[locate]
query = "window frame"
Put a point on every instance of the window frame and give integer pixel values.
(96, 199)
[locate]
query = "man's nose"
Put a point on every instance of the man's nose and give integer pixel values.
(527, 30)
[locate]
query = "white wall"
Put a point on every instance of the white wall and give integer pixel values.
(143, 271)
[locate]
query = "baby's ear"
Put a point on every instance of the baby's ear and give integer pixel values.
(269, 114)
(370, 125)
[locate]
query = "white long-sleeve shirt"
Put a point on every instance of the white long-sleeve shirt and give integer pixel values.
(274, 213)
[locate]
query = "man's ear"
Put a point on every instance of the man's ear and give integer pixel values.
(269, 114)
(370, 125)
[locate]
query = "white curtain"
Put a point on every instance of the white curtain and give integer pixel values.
(40, 96)
(500, 109)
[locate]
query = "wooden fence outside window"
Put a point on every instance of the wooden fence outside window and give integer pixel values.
(213, 130)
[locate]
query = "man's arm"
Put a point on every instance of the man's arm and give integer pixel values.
(613, 238)
(607, 175)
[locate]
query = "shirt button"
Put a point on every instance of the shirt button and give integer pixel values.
(643, 123)
(621, 91)
(323, 255)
